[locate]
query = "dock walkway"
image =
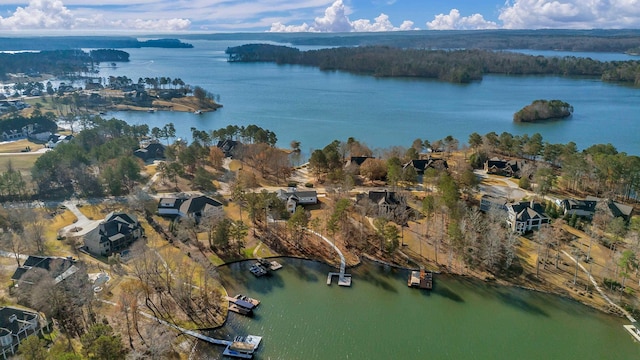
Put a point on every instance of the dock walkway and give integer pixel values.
(196, 335)
(604, 296)
(343, 279)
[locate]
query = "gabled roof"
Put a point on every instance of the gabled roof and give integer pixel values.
(115, 226)
(198, 204)
(526, 210)
(423, 164)
(57, 265)
(383, 197)
(584, 205)
(617, 209)
(359, 160)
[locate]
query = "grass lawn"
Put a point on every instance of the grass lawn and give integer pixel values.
(19, 145)
(53, 245)
(21, 162)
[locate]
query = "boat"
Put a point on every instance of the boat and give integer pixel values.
(198, 112)
(152, 110)
(243, 347)
(257, 270)
(252, 301)
(274, 265)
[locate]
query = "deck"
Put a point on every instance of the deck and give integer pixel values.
(633, 331)
(422, 279)
(343, 279)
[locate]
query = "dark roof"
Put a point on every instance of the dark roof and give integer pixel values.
(14, 326)
(383, 197)
(359, 160)
(423, 164)
(585, 205)
(512, 166)
(57, 265)
(227, 146)
(115, 226)
(617, 209)
(154, 150)
(527, 210)
(198, 204)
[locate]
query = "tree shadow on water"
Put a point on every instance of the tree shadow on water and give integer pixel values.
(517, 301)
(378, 281)
(447, 293)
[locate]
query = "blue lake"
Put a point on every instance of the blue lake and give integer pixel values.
(316, 107)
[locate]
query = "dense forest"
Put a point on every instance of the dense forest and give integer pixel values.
(559, 40)
(79, 42)
(543, 110)
(458, 66)
(57, 62)
(109, 55)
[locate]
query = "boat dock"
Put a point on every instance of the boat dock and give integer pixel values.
(243, 347)
(258, 270)
(274, 265)
(343, 279)
(422, 279)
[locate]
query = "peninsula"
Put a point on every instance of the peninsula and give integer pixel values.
(543, 110)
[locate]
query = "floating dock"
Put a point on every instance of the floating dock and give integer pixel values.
(634, 331)
(258, 270)
(243, 347)
(240, 310)
(274, 265)
(422, 279)
(244, 299)
(343, 279)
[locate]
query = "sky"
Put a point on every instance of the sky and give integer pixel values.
(168, 16)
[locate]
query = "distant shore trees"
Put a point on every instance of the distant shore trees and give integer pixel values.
(457, 66)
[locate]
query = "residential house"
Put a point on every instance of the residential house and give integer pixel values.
(15, 326)
(59, 267)
(509, 168)
(227, 146)
(423, 164)
(195, 207)
(293, 198)
(385, 204)
(57, 139)
(583, 208)
(115, 233)
(526, 216)
(150, 152)
(615, 209)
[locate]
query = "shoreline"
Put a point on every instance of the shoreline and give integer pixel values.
(494, 282)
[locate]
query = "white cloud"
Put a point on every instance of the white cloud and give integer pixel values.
(336, 19)
(52, 14)
(570, 14)
(454, 21)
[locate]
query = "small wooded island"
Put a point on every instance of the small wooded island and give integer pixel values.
(543, 110)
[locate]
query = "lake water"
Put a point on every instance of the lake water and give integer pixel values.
(316, 107)
(379, 317)
(300, 317)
